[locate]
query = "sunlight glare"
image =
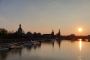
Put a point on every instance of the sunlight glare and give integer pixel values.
(80, 29)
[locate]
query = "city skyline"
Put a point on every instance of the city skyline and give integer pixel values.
(46, 15)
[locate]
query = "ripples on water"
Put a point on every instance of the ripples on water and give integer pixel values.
(61, 50)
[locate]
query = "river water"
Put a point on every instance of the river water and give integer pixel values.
(61, 50)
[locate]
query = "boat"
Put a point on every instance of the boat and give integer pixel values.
(31, 43)
(27, 44)
(3, 49)
(15, 46)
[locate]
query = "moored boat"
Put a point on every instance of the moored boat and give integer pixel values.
(3, 49)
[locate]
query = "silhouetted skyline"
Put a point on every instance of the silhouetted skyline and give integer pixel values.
(45, 15)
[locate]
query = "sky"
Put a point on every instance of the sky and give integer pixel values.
(45, 15)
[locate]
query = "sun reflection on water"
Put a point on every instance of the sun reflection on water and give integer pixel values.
(80, 44)
(80, 48)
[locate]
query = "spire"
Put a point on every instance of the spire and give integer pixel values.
(20, 25)
(52, 32)
(59, 33)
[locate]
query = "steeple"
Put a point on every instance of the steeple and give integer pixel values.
(20, 25)
(59, 33)
(52, 32)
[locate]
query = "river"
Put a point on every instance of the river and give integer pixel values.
(61, 50)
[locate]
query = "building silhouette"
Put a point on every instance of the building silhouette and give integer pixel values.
(52, 33)
(20, 33)
(20, 30)
(58, 34)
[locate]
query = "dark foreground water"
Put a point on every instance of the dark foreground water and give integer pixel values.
(62, 50)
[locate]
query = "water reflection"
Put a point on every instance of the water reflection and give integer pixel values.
(59, 42)
(55, 50)
(80, 44)
(80, 48)
(29, 48)
(3, 55)
(16, 51)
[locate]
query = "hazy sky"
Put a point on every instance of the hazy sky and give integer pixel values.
(45, 15)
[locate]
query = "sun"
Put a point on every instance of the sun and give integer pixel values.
(80, 29)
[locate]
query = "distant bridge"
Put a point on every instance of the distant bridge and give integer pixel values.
(82, 37)
(76, 37)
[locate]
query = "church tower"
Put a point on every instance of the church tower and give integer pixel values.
(20, 29)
